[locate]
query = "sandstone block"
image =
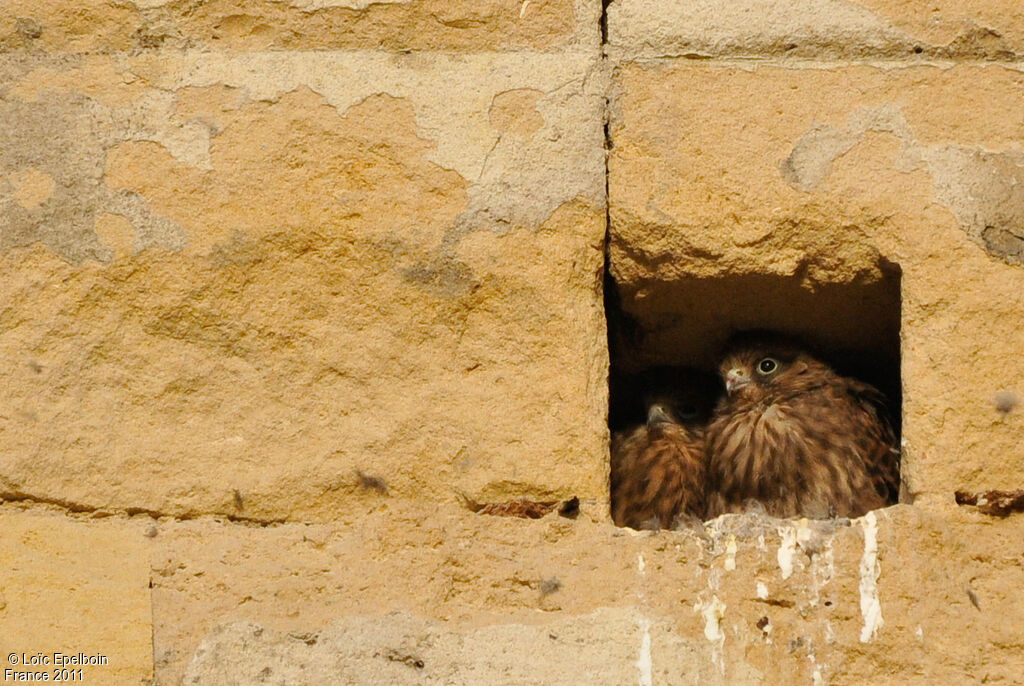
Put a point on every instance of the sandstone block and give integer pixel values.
(109, 26)
(237, 283)
(437, 595)
(745, 196)
(990, 30)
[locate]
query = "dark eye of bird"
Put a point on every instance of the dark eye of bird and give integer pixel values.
(687, 412)
(767, 366)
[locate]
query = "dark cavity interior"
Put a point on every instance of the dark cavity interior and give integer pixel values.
(855, 327)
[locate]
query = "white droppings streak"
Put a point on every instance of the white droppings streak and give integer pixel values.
(644, 665)
(786, 550)
(730, 554)
(713, 612)
(762, 591)
(643, 662)
(816, 678)
(920, 633)
(870, 607)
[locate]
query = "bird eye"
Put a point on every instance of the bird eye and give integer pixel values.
(767, 366)
(687, 412)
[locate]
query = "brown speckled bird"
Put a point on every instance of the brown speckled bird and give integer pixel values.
(796, 437)
(657, 468)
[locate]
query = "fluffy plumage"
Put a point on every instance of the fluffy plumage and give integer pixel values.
(796, 437)
(657, 468)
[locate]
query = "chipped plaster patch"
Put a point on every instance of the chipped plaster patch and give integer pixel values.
(56, 146)
(513, 179)
(983, 189)
(515, 111)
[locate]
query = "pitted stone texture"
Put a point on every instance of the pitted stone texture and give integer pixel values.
(108, 26)
(402, 649)
(989, 30)
(235, 282)
(75, 587)
(789, 209)
(745, 599)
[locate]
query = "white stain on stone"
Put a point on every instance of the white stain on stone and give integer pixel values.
(762, 591)
(816, 677)
(643, 662)
(920, 634)
(786, 550)
(870, 607)
(712, 611)
(730, 554)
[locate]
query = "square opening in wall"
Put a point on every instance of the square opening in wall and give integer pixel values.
(753, 392)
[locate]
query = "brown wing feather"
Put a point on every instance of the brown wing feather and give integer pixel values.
(882, 454)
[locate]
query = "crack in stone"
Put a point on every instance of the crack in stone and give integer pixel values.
(71, 507)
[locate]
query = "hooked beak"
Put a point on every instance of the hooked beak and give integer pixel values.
(735, 379)
(658, 414)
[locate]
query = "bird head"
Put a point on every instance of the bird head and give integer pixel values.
(758, 365)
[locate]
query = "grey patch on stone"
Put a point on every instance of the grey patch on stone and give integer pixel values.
(29, 28)
(603, 647)
(67, 136)
(550, 585)
(241, 250)
(977, 42)
(1006, 401)
(523, 180)
(983, 189)
(444, 277)
(985, 192)
(811, 159)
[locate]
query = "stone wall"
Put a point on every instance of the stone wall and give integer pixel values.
(289, 283)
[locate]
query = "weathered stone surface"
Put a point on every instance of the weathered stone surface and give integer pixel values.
(990, 30)
(766, 196)
(232, 283)
(106, 26)
(744, 600)
(74, 587)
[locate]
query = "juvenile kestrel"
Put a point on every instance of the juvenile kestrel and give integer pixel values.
(657, 468)
(796, 437)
